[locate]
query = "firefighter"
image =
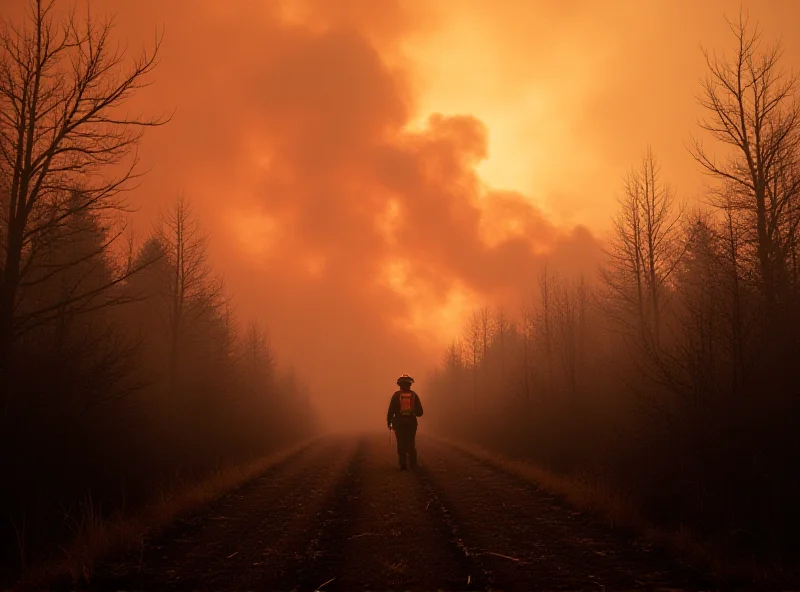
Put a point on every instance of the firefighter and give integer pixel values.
(404, 409)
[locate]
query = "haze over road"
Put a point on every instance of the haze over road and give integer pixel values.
(340, 513)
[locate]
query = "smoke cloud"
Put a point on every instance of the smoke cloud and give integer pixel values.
(370, 171)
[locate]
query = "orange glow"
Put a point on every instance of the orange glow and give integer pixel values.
(372, 170)
(436, 320)
(257, 234)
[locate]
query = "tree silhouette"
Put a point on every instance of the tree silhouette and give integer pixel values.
(64, 142)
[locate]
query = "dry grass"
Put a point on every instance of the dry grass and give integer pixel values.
(621, 512)
(97, 538)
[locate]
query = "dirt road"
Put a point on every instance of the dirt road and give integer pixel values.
(340, 515)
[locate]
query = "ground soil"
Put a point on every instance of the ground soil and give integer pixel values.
(340, 515)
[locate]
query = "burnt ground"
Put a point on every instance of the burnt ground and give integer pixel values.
(340, 515)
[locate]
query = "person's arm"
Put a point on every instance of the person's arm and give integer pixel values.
(417, 405)
(391, 412)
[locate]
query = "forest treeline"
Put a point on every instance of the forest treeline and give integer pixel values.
(123, 366)
(672, 374)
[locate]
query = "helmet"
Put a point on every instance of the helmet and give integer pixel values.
(405, 379)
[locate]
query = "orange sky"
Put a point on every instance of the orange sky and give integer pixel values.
(368, 170)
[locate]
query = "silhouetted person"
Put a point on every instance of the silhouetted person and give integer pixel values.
(404, 409)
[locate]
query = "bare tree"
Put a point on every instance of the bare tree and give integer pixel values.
(259, 359)
(472, 337)
(503, 328)
(528, 319)
(451, 377)
(691, 370)
(645, 247)
(572, 304)
(752, 110)
(453, 359)
(543, 322)
(62, 89)
(486, 329)
(193, 289)
(230, 327)
(732, 240)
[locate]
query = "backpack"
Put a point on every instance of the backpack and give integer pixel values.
(406, 403)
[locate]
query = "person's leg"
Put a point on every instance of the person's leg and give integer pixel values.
(412, 446)
(402, 444)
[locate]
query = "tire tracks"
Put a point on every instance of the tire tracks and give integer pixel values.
(522, 536)
(394, 544)
(241, 537)
(321, 555)
(478, 576)
(340, 515)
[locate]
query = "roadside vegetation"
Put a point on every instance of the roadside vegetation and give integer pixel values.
(665, 386)
(124, 369)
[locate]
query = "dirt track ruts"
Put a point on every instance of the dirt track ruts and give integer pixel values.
(340, 513)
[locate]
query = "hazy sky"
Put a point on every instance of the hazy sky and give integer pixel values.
(370, 169)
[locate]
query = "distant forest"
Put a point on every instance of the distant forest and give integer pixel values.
(123, 366)
(672, 375)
